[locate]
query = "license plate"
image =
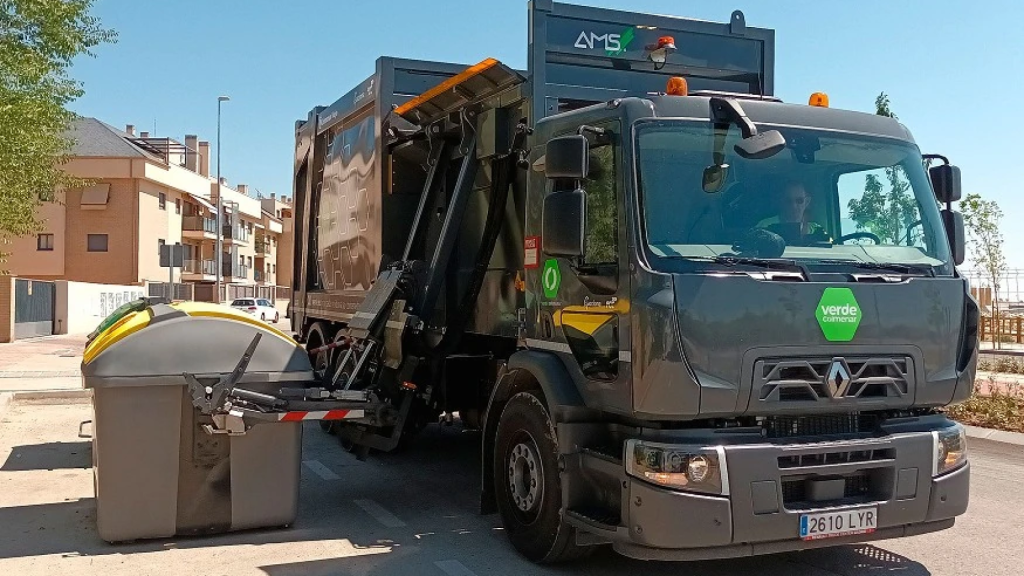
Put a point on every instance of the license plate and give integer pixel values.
(841, 523)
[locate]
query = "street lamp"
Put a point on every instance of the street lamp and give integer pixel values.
(220, 210)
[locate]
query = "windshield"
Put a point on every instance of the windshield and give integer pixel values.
(828, 198)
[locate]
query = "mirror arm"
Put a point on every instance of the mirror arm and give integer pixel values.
(730, 111)
(936, 157)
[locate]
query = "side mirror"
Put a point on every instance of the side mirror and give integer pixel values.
(761, 145)
(945, 182)
(954, 224)
(714, 178)
(567, 157)
(563, 223)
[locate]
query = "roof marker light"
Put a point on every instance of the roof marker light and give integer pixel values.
(658, 52)
(819, 99)
(676, 86)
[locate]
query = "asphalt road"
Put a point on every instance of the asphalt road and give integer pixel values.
(415, 513)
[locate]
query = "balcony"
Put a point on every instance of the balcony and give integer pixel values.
(236, 234)
(262, 246)
(199, 270)
(199, 227)
(259, 275)
(236, 271)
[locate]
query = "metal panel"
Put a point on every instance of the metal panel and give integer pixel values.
(591, 54)
(33, 308)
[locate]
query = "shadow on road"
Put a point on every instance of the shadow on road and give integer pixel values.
(49, 456)
(433, 487)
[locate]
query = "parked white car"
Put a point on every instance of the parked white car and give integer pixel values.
(258, 307)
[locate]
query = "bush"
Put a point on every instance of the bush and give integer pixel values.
(1001, 363)
(997, 411)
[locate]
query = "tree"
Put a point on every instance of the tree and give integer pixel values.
(887, 209)
(38, 41)
(981, 219)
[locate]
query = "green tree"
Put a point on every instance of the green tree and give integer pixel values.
(985, 240)
(887, 209)
(38, 41)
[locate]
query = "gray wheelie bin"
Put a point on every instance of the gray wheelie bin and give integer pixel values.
(160, 467)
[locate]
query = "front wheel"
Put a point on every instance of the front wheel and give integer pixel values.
(526, 482)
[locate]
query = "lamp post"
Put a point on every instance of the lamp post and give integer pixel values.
(220, 210)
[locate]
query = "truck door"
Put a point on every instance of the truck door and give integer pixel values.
(583, 302)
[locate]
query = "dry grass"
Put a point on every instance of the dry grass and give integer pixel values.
(1001, 363)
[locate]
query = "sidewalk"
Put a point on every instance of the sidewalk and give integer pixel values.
(48, 363)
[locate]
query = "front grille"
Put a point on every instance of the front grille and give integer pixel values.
(782, 380)
(822, 425)
(838, 457)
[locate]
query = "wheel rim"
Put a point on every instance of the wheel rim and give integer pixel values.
(525, 473)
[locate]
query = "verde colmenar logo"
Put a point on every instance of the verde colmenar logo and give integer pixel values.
(550, 278)
(838, 314)
(613, 44)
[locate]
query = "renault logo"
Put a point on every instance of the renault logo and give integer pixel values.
(838, 378)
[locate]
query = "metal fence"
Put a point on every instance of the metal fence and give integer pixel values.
(182, 290)
(1011, 289)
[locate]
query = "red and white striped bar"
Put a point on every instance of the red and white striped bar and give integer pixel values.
(299, 415)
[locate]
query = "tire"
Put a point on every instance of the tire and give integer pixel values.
(277, 317)
(328, 426)
(263, 317)
(527, 485)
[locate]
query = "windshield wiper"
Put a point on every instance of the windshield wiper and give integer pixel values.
(768, 263)
(924, 269)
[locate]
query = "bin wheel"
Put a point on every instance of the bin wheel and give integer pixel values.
(527, 484)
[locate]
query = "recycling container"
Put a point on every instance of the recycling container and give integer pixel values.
(157, 472)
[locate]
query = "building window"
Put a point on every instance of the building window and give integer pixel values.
(249, 261)
(44, 242)
(96, 242)
(274, 268)
(163, 201)
(177, 205)
(160, 246)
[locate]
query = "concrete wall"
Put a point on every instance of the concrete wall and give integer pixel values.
(80, 306)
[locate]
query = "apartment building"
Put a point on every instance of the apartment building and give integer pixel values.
(279, 210)
(147, 191)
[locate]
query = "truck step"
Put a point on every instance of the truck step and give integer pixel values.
(594, 520)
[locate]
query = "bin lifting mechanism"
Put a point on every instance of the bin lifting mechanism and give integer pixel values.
(234, 410)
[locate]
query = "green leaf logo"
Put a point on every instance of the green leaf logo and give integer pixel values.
(551, 278)
(624, 39)
(838, 314)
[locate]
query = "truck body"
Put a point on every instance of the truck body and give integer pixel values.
(607, 281)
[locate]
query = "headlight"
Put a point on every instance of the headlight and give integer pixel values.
(695, 468)
(950, 449)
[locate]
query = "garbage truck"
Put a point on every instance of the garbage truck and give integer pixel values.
(687, 319)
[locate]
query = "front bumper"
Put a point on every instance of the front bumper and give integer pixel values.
(762, 512)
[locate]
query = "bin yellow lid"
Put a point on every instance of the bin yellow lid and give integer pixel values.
(135, 321)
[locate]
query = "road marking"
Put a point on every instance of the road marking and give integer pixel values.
(320, 470)
(454, 568)
(379, 513)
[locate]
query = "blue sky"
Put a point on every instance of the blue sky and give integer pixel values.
(954, 70)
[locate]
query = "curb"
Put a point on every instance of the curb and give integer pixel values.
(1001, 436)
(51, 396)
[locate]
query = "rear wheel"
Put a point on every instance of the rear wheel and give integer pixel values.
(527, 485)
(263, 317)
(277, 317)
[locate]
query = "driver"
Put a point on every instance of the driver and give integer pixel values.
(792, 219)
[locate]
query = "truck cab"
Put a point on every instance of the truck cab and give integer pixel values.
(772, 346)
